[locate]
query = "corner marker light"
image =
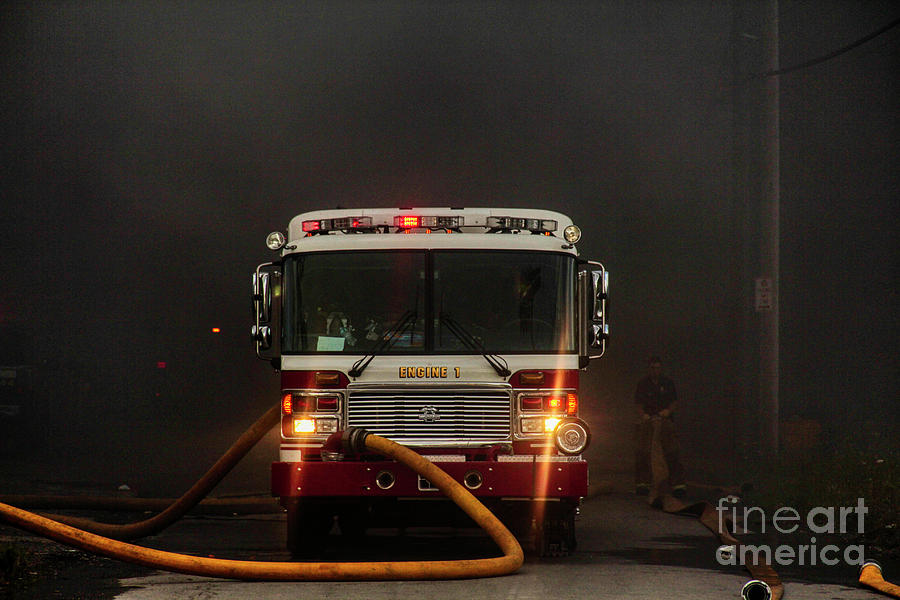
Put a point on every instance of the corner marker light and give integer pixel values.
(572, 234)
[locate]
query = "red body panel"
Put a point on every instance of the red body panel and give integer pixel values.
(529, 479)
(553, 378)
(299, 380)
(541, 479)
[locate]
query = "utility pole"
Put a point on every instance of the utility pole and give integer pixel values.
(767, 285)
(756, 190)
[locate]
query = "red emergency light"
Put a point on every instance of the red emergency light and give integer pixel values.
(427, 222)
(327, 403)
(337, 224)
(553, 403)
(532, 402)
(296, 403)
(406, 221)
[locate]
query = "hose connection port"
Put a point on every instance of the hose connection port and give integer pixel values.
(385, 480)
(473, 480)
(756, 590)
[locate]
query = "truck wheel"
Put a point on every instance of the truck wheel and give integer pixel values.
(353, 521)
(555, 535)
(308, 526)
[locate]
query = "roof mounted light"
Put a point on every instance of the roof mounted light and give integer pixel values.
(572, 234)
(338, 224)
(435, 222)
(275, 240)
(521, 224)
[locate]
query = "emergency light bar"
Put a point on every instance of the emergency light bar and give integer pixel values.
(457, 220)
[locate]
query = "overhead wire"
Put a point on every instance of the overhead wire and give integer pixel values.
(833, 54)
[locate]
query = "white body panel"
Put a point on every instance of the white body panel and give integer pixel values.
(472, 234)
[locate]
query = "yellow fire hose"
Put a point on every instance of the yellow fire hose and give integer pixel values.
(190, 499)
(231, 505)
(761, 570)
(870, 575)
(292, 571)
(767, 584)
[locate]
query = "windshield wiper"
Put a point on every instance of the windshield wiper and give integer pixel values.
(389, 338)
(471, 342)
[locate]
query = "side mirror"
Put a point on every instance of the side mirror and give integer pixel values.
(593, 308)
(262, 295)
(262, 335)
(600, 280)
(599, 326)
(265, 306)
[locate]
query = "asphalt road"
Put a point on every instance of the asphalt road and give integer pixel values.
(627, 550)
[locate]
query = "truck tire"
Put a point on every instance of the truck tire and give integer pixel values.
(353, 521)
(554, 536)
(308, 526)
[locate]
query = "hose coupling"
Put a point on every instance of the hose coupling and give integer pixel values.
(756, 590)
(353, 440)
(870, 563)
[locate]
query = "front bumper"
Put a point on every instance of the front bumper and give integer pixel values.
(540, 477)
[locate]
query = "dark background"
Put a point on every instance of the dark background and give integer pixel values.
(147, 151)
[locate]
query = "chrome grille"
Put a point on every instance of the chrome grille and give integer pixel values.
(443, 416)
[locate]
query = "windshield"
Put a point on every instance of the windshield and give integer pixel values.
(477, 301)
(345, 302)
(506, 301)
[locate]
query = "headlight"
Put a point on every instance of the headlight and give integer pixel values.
(533, 425)
(572, 436)
(304, 426)
(326, 425)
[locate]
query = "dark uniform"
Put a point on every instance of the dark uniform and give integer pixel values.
(653, 397)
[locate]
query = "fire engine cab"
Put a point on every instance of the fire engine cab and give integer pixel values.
(459, 332)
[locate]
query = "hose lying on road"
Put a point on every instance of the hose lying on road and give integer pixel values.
(251, 504)
(870, 576)
(215, 474)
(767, 584)
(759, 568)
(291, 571)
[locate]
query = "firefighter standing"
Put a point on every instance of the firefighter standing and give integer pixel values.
(655, 399)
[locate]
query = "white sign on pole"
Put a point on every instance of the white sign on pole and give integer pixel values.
(765, 295)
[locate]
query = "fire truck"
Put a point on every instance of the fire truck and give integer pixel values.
(458, 332)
